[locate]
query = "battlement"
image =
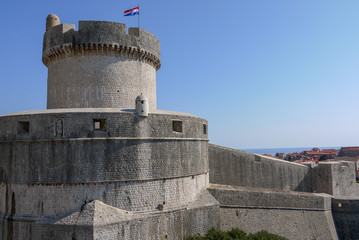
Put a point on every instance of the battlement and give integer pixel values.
(101, 38)
(101, 65)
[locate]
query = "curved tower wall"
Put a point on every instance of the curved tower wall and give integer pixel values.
(100, 65)
(132, 163)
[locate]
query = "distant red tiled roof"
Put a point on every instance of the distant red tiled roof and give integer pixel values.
(323, 152)
(293, 154)
(350, 148)
(349, 152)
(265, 154)
(330, 150)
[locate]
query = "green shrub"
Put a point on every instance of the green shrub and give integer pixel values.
(264, 235)
(235, 234)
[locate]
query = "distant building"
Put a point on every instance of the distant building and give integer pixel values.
(281, 155)
(316, 149)
(348, 152)
(315, 155)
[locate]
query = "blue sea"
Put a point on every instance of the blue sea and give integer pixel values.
(273, 151)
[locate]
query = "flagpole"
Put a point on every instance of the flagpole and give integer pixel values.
(138, 15)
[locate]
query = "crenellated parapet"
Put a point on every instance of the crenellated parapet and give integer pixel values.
(101, 38)
(99, 66)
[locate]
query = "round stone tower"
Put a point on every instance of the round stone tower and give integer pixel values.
(100, 65)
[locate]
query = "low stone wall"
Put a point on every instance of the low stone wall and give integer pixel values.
(233, 167)
(293, 215)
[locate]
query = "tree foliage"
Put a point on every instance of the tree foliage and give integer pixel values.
(323, 157)
(235, 234)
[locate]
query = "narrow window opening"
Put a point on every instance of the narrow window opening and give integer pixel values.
(177, 126)
(24, 127)
(100, 124)
(204, 129)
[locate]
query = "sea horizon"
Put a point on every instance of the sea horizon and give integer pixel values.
(273, 151)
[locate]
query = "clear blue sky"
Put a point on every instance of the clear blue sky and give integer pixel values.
(263, 73)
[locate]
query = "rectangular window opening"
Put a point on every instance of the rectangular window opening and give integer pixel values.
(204, 129)
(24, 127)
(257, 158)
(177, 126)
(100, 124)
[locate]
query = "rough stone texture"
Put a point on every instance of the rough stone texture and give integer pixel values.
(135, 164)
(100, 65)
(293, 215)
(234, 167)
(96, 220)
(130, 149)
(335, 178)
(99, 82)
(44, 200)
(346, 217)
(99, 32)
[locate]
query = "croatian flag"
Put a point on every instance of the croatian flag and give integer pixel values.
(132, 12)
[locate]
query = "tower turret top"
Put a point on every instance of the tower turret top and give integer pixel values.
(51, 21)
(99, 36)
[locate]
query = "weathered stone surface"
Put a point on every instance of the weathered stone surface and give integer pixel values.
(234, 167)
(44, 200)
(96, 220)
(290, 214)
(130, 148)
(335, 178)
(346, 217)
(100, 65)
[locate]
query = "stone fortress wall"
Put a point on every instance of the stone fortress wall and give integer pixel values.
(92, 167)
(238, 168)
(144, 158)
(257, 192)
